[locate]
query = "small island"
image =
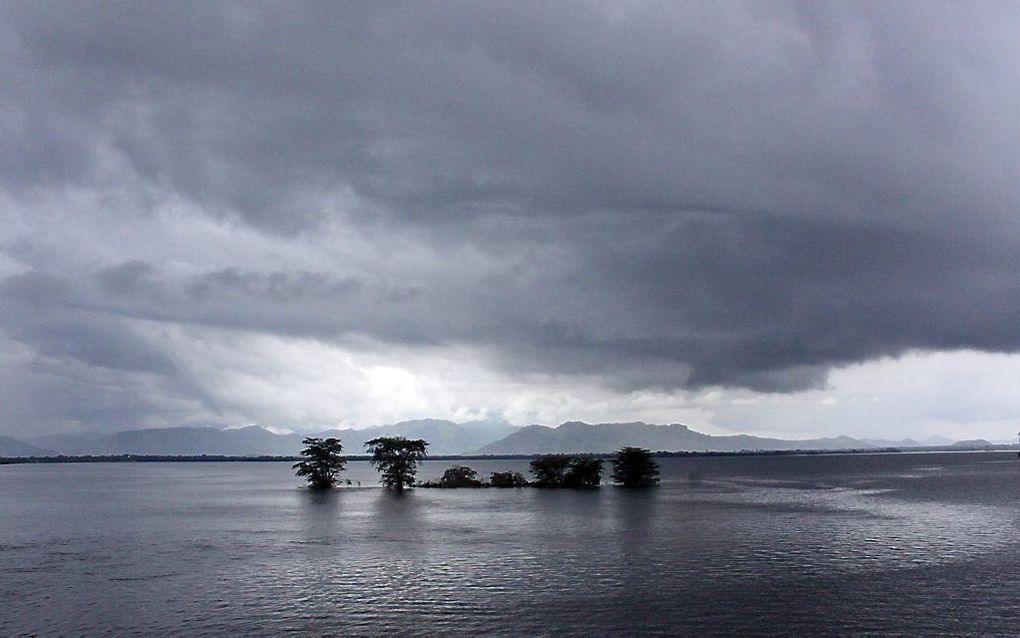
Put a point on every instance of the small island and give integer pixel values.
(397, 459)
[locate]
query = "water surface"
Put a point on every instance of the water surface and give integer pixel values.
(776, 544)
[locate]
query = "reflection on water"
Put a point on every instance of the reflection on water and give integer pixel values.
(897, 543)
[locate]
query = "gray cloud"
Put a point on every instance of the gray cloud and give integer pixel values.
(735, 194)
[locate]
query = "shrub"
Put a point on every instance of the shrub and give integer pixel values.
(548, 470)
(460, 476)
(583, 471)
(508, 479)
(562, 470)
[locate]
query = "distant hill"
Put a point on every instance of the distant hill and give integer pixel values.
(971, 444)
(253, 440)
(575, 436)
(928, 442)
(70, 444)
(444, 437)
(13, 447)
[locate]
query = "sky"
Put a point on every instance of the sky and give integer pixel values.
(786, 219)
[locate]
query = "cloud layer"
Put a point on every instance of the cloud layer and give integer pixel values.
(637, 197)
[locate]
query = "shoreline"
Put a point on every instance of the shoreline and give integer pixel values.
(215, 458)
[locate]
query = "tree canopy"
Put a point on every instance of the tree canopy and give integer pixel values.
(548, 470)
(323, 461)
(508, 479)
(397, 459)
(583, 471)
(635, 467)
(563, 470)
(460, 476)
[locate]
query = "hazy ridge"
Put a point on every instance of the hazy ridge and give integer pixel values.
(576, 436)
(10, 446)
(444, 437)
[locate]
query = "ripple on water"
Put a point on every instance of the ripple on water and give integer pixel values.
(736, 553)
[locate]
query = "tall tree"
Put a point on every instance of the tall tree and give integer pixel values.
(323, 461)
(635, 467)
(397, 459)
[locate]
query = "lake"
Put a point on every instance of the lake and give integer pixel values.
(919, 543)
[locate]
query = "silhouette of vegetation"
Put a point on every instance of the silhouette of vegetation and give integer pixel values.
(549, 470)
(508, 479)
(583, 471)
(563, 470)
(323, 462)
(460, 476)
(397, 459)
(635, 467)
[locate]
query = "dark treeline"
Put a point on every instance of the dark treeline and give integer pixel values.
(397, 459)
(632, 467)
(210, 458)
(142, 458)
(200, 458)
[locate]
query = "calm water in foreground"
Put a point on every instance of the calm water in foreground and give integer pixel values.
(834, 544)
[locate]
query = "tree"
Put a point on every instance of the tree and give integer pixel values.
(635, 467)
(460, 476)
(548, 470)
(507, 479)
(563, 470)
(583, 471)
(397, 458)
(323, 462)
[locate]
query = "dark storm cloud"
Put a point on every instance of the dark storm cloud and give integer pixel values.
(461, 109)
(297, 304)
(667, 195)
(47, 314)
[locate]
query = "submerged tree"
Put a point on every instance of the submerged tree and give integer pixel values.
(548, 470)
(507, 479)
(583, 471)
(397, 458)
(563, 470)
(322, 462)
(460, 476)
(635, 467)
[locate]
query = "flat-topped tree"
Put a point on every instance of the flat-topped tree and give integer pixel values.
(397, 459)
(635, 467)
(323, 462)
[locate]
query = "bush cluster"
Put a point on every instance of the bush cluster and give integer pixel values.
(632, 467)
(507, 479)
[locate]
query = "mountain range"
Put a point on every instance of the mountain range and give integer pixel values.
(493, 437)
(444, 437)
(13, 447)
(576, 436)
